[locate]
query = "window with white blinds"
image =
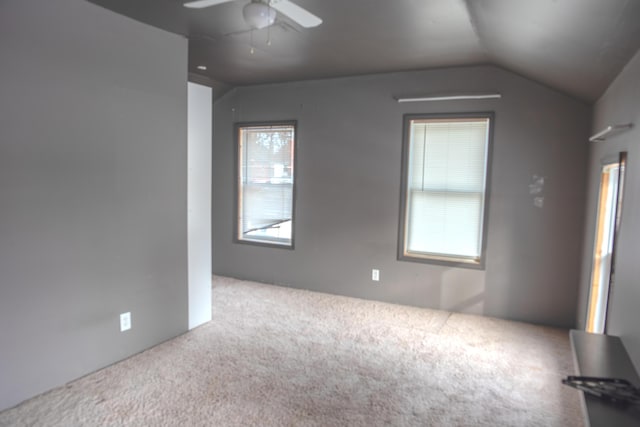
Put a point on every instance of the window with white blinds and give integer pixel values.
(265, 183)
(444, 188)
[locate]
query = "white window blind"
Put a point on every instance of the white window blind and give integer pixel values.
(266, 180)
(445, 188)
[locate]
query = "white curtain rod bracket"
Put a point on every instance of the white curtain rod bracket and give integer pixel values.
(609, 131)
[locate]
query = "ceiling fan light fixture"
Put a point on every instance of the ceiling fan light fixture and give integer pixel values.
(258, 15)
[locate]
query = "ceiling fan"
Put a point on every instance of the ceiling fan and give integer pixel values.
(262, 13)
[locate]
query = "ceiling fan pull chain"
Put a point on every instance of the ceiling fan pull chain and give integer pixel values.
(269, 34)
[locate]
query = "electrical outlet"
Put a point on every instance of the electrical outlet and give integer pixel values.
(125, 321)
(375, 275)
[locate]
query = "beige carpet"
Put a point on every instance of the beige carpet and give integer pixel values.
(275, 356)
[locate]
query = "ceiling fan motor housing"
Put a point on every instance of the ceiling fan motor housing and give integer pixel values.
(258, 14)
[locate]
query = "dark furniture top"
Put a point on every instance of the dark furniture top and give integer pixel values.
(599, 355)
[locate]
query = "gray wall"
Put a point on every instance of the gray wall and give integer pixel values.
(620, 104)
(93, 181)
(348, 190)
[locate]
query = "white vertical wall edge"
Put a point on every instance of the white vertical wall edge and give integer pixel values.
(199, 202)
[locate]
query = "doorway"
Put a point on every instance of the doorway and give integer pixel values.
(607, 228)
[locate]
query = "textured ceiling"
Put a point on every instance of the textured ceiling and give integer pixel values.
(575, 46)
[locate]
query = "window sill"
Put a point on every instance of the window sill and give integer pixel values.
(473, 264)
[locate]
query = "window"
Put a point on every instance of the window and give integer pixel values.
(265, 183)
(607, 228)
(444, 172)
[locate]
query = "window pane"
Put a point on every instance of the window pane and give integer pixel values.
(448, 155)
(445, 186)
(445, 224)
(266, 178)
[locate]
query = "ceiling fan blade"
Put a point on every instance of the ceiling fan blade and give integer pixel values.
(296, 13)
(201, 4)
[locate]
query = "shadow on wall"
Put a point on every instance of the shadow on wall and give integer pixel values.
(463, 290)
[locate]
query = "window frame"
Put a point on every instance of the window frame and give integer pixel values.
(237, 127)
(443, 259)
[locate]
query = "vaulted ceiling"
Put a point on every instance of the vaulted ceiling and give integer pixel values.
(575, 46)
